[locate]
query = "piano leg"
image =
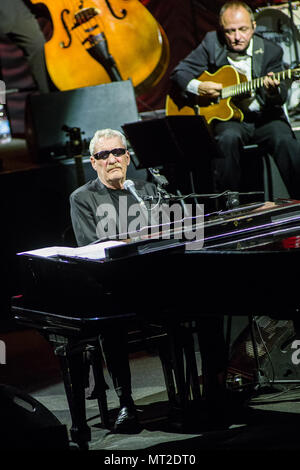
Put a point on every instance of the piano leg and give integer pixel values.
(178, 365)
(71, 356)
(184, 364)
(191, 363)
(167, 367)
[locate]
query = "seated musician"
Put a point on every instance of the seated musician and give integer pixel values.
(236, 44)
(110, 159)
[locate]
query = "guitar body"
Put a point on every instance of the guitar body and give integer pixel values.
(223, 109)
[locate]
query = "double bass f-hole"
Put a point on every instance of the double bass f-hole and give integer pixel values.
(85, 15)
(62, 44)
(123, 11)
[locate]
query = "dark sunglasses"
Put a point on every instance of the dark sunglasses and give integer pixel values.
(104, 154)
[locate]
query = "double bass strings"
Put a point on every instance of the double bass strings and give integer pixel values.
(85, 23)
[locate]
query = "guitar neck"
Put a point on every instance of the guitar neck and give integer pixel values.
(252, 85)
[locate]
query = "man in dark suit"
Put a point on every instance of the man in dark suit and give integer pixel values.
(265, 122)
(96, 214)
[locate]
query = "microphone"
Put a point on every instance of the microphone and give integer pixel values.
(129, 186)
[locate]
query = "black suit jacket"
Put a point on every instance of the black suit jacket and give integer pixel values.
(87, 221)
(211, 55)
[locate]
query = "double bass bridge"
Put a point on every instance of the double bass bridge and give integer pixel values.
(84, 15)
(81, 17)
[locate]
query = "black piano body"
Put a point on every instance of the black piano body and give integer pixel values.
(246, 265)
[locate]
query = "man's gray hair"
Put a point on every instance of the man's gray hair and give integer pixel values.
(106, 134)
(235, 4)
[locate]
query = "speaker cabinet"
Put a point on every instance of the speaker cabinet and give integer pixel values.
(273, 338)
(89, 109)
(26, 424)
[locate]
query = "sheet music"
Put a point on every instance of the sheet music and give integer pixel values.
(95, 251)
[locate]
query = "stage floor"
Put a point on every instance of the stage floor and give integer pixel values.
(270, 422)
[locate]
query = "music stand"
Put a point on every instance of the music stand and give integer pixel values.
(179, 142)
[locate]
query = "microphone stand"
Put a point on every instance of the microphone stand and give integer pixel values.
(161, 181)
(232, 198)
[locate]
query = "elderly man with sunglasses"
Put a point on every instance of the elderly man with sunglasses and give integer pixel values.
(110, 159)
(89, 206)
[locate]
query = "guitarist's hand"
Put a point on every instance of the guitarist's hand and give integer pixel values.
(271, 84)
(209, 89)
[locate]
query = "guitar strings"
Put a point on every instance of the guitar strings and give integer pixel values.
(248, 86)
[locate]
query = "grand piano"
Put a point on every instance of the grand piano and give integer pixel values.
(244, 264)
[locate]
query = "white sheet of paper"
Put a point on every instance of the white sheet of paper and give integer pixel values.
(95, 251)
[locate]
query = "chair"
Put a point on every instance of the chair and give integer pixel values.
(260, 173)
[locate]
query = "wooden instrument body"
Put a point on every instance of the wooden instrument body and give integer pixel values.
(135, 40)
(223, 109)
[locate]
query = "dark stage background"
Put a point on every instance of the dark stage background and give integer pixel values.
(34, 197)
(184, 21)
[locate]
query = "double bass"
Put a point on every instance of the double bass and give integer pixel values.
(99, 41)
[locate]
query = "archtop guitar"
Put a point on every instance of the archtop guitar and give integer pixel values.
(235, 86)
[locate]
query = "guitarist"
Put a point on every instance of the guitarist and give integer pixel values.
(264, 123)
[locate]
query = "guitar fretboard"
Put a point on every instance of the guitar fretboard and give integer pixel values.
(252, 85)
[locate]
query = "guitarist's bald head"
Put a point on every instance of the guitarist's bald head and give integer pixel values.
(235, 5)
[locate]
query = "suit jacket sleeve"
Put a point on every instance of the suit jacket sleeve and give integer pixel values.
(199, 60)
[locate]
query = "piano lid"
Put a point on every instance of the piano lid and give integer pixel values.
(244, 227)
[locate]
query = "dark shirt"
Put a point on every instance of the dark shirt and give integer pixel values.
(91, 209)
(129, 214)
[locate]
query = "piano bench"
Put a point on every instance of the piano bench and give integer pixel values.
(260, 173)
(174, 345)
(154, 339)
(76, 359)
(149, 338)
(77, 346)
